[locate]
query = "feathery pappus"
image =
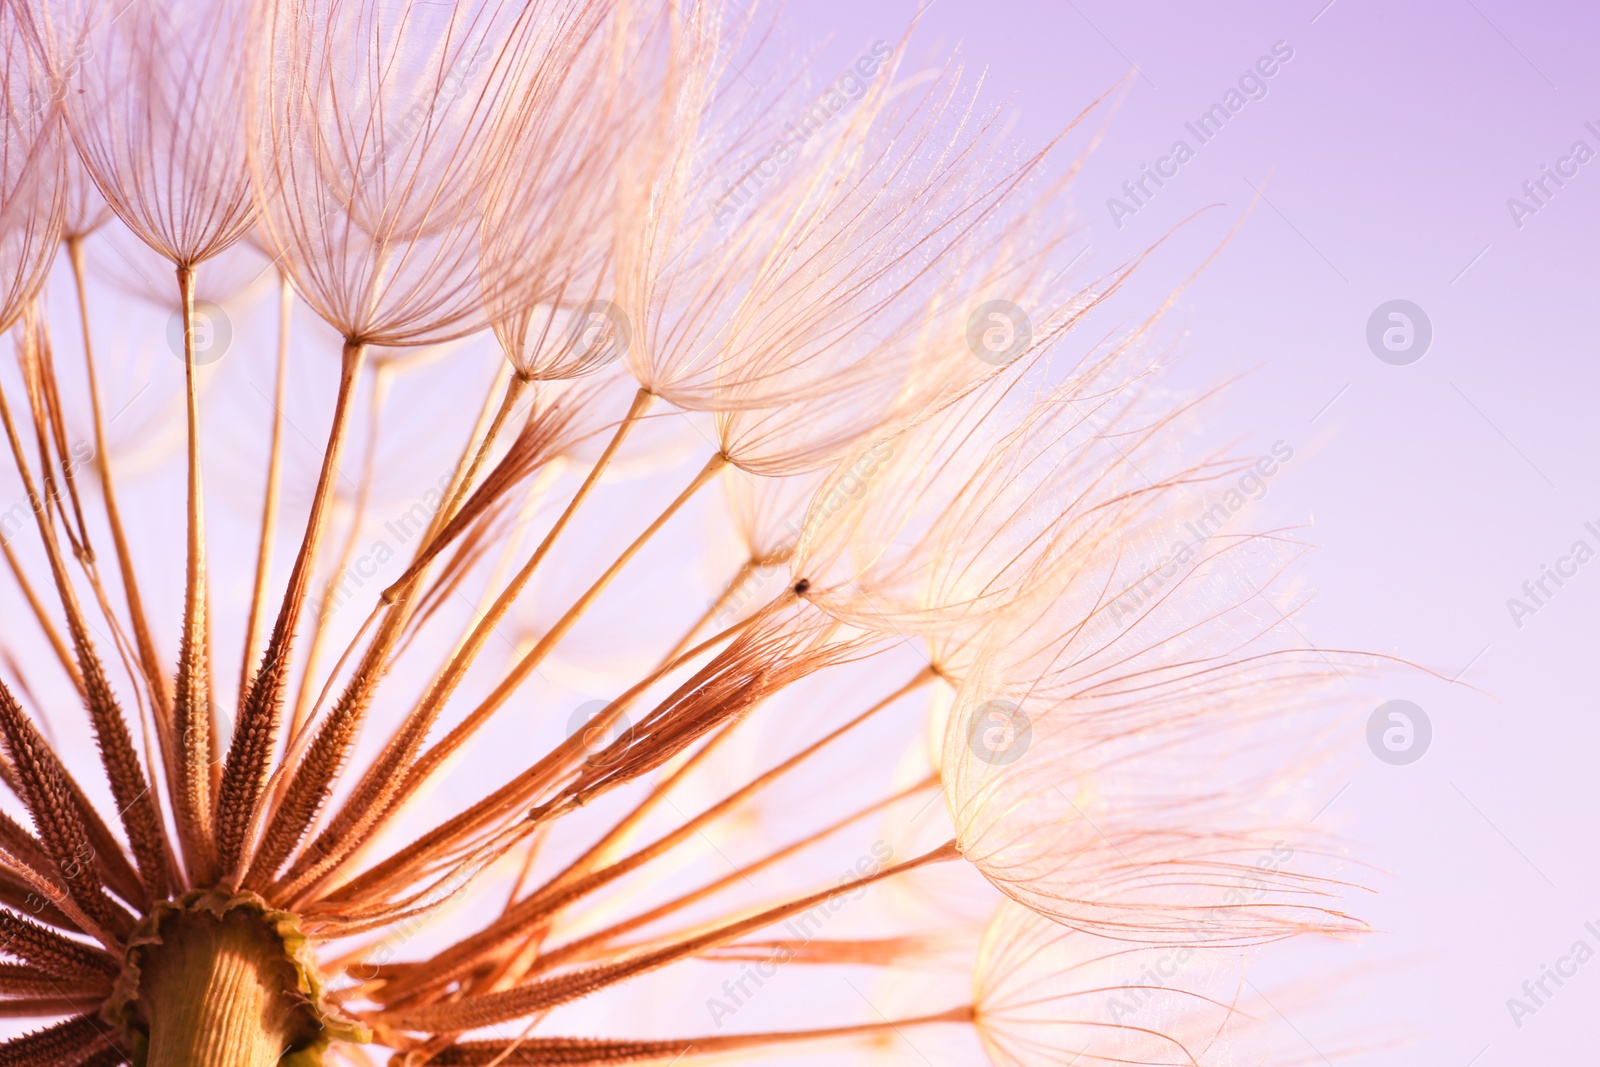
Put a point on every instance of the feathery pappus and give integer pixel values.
(527, 606)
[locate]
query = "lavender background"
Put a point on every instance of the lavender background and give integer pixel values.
(1384, 153)
(1380, 161)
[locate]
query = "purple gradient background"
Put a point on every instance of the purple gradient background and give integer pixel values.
(1386, 150)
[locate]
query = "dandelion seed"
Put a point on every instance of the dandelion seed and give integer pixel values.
(534, 742)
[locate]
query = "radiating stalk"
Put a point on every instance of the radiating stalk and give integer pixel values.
(298, 880)
(136, 805)
(192, 700)
(487, 1009)
(285, 831)
(586, 945)
(256, 620)
(580, 1052)
(319, 628)
(371, 797)
(551, 637)
(570, 884)
(515, 385)
(256, 726)
(37, 607)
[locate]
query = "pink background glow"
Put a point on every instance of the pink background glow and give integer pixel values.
(1385, 150)
(1383, 153)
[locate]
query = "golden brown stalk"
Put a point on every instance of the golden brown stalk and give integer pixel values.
(55, 421)
(79, 1040)
(532, 447)
(474, 525)
(595, 1052)
(371, 798)
(136, 805)
(608, 716)
(256, 726)
(34, 1007)
(153, 671)
(517, 916)
(597, 852)
(290, 823)
(49, 425)
(604, 720)
(256, 619)
(537, 434)
(17, 841)
(415, 610)
(56, 816)
(17, 979)
(436, 756)
(727, 688)
(559, 893)
(427, 975)
(381, 379)
(45, 624)
(474, 1011)
(716, 605)
(18, 894)
(115, 869)
(761, 662)
(192, 693)
(34, 873)
(437, 538)
(866, 951)
(45, 886)
(54, 955)
(766, 778)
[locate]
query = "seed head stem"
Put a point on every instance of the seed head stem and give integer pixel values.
(387, 782)
(256, 619)
(256, 726)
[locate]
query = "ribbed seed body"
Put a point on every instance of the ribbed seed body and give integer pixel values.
(213, 993)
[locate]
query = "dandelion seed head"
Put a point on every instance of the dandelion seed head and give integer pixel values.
(613, 578)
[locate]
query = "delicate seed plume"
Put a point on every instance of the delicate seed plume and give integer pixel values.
(668, 524)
